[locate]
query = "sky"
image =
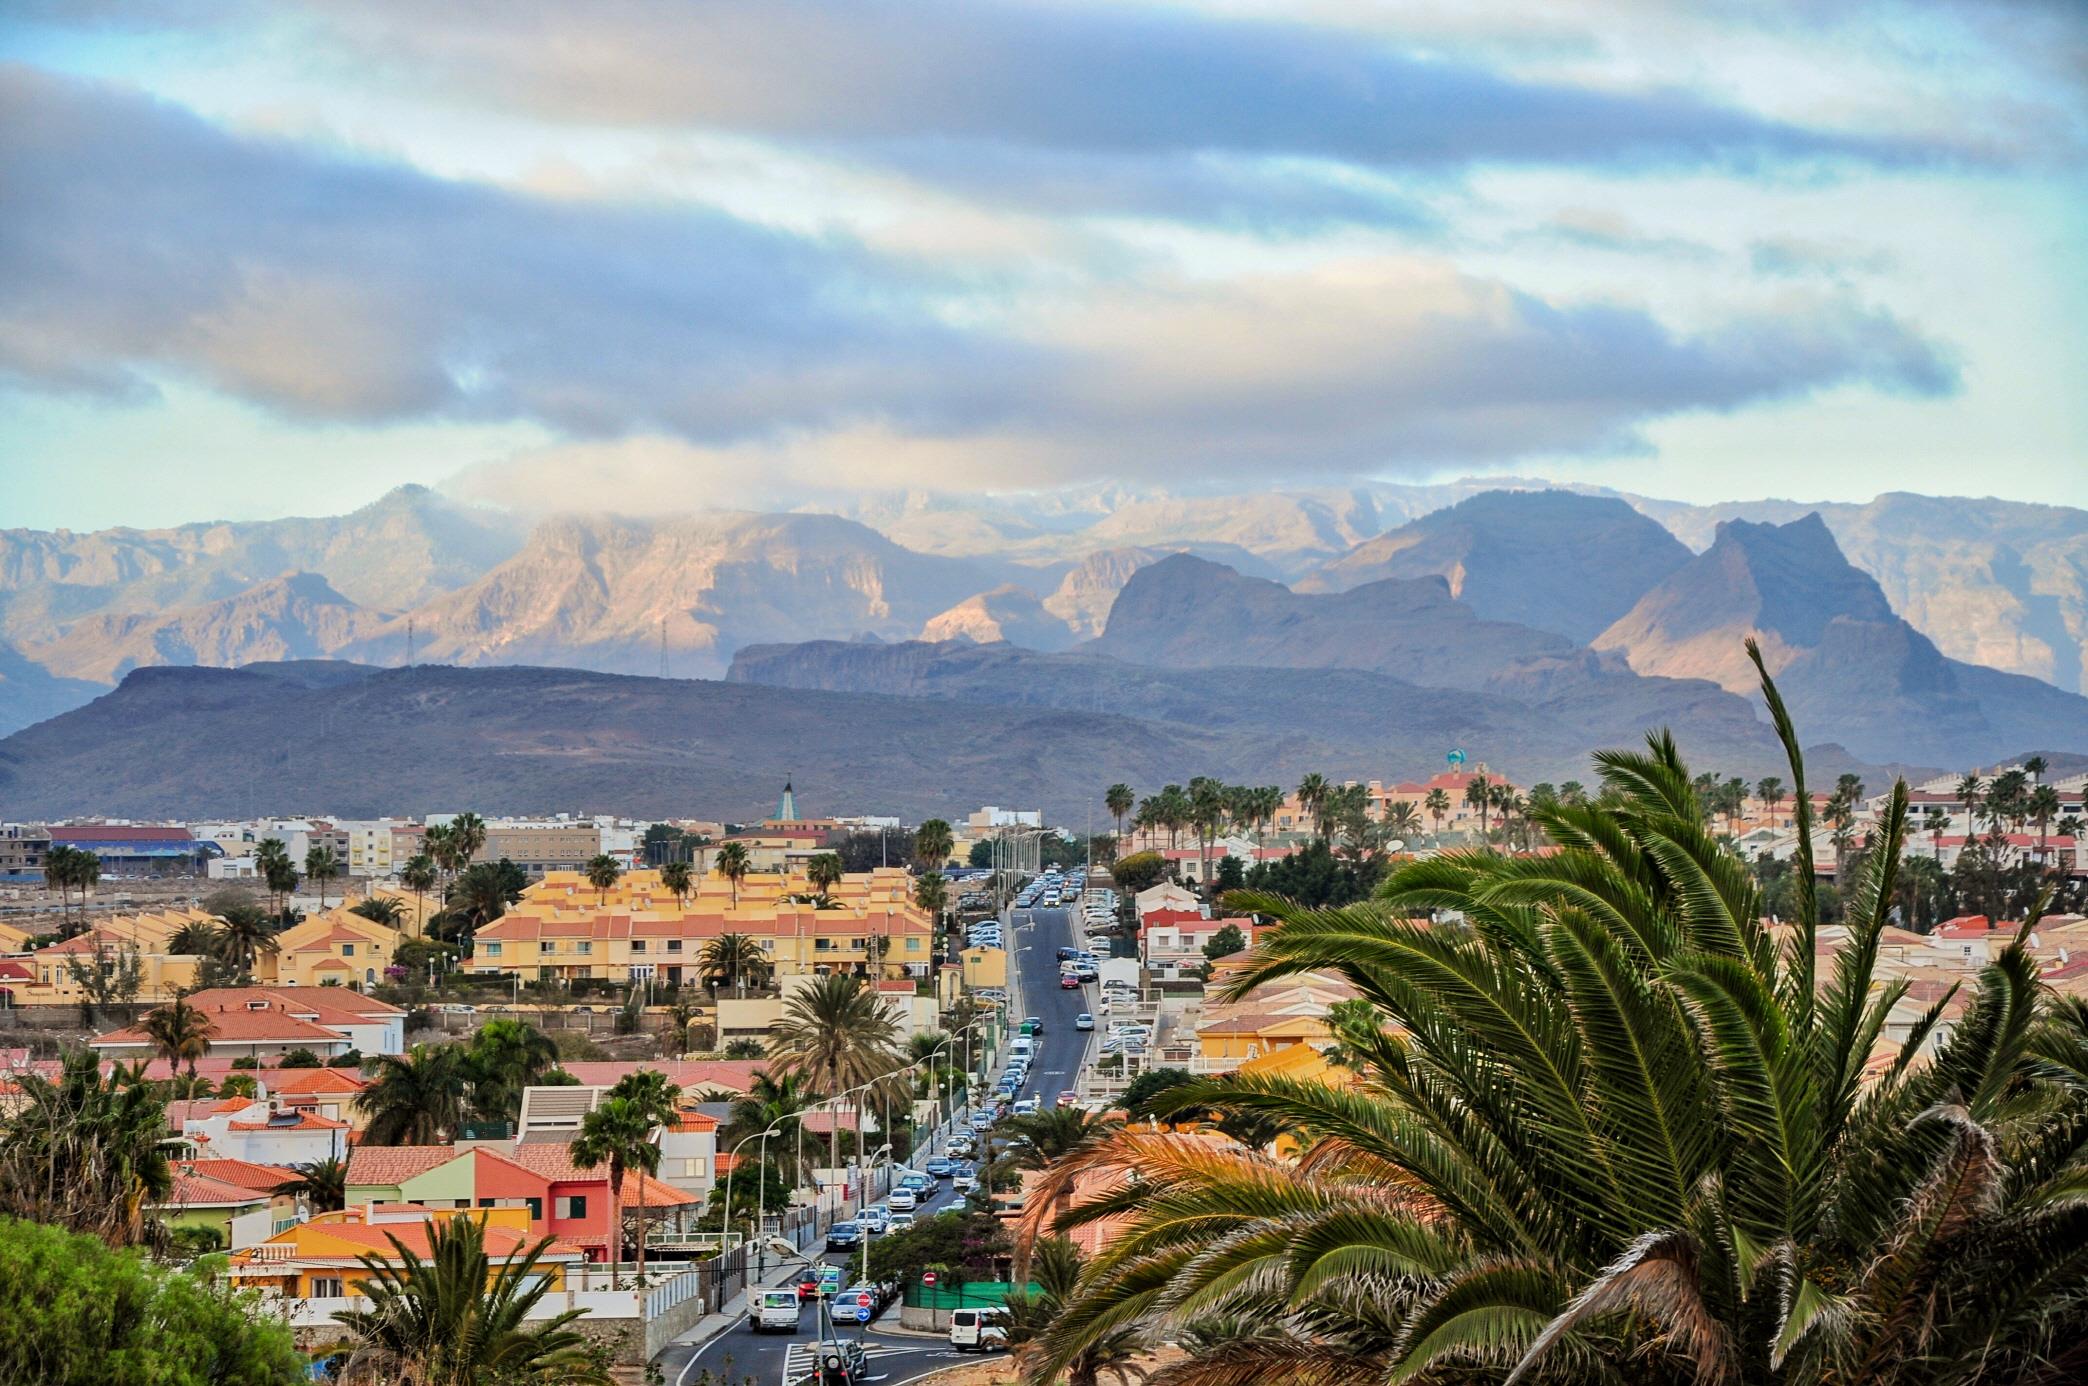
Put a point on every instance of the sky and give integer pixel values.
(276, 258)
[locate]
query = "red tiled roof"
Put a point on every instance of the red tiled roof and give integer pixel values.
(299, 1082)
(238, 1027)
(201, 1191)
(245, 1174)
(306, 1121)
(387, 1165)
(501, 1242)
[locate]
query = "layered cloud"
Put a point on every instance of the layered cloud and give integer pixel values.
(155, 245)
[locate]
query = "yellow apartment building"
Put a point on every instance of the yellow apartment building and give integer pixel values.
(337, 948)
(105, 946)
(322, 1258)
(563, 929)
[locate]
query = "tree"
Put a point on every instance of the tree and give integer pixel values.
(932, 896)
(602, 873)
(504, 1057)
(1119, 799)
(617, 1133)
(2043, 807)
(323, 1184)
(467, 835)
(1055, 1266)
(1139, 871)
(836, 1034)
(744, 1048)
(418, 876)
(1617, 1129)
(1226, 942)
(733, 864)
(248, 934)
(482, 894)
(272, 864)
(81, 1314)
(1478, 794)
(961, 1246)
(824, 872)
(1770, 790)
(1437, 803)
(676, 878)
(321, 866)
(179, 1032)
(460, 1319)
(380, 909)
(86, 1152)
(1401, 818)
(67, 868)
(733, 958)
(416, 1098)
(1312, 798)
(110, 977)
(932, 843)
(1207, 811)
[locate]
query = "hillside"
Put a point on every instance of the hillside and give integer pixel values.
(29, 693)
(1850, 667)
(199, 743)
(1565, 563)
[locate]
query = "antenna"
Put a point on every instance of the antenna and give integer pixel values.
(409, 642)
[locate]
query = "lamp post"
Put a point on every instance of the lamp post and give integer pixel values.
(760, 1206)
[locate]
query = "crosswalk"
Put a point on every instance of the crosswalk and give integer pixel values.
(802, 1359)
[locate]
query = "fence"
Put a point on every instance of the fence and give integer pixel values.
(968, 1294)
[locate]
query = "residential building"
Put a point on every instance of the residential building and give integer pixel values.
(1273, 1016)
(688, 1147)
(265, 1131)
(540, 848)
(237, 1216)
(322, 1258)
(267, 1022)
(563, 929)
(337, 948)
(283, 1208)
(23, 848)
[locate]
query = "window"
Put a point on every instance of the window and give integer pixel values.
(491, 950)
(637, 945)
(584, 948)
(327, 1287)
(573, 1207)
(674, 945)
(913, 945)
(822, 945)
(549, 945)
(347, 950)
(536, 1209)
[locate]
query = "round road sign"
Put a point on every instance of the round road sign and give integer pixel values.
(927, 1277)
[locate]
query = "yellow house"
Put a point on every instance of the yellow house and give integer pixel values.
(337, 948)
(563, 929)
(107, 948)
(1271, 1018)
(320, 1258)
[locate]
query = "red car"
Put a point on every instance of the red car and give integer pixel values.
(1069, 982)
(1069, 1098)
(808, 1284)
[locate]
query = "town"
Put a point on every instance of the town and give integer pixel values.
(575, 1027)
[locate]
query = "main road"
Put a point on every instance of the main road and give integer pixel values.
(739, 1352)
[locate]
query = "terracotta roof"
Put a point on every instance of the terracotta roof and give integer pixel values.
(385, 1165)
(193, 1190)
(690, 1075)
(245, 1174)
(306, 1121)
(501, 1242)
(298, 1082)
(555, 1162)
(238, 1027)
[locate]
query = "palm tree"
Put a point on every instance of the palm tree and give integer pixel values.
(2034, 767)
(85, 1152)
(2043, 807)
(271, 863)
(1478, 794)
(416, 1098)
(380, 909)
(199, 938)
(439, 844)
(648, 1093)
(1312, 798)
(460, 1319)
(837, 1034)
(932, 843)
(1056, 1266)
(676, 878)
(932, 896)
(323, 1184)
(776, 1100)
(733, 958)
(467, 834)
(1615, 1129)
(733, 864)
(1770, 790)
(1401, 818)
(504, 1057)
(62, 868)
(1207, 802)
(602, 873)
(179, 1032)
(1438, 805)
(248, 933)
(418, 876)
(1118, 799)
(619, 1134)
(477, 897)
(321, 867)
(824, 871)
(1933, 821)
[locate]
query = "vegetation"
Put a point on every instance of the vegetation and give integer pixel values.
(1055, 1268)
(71, 869)
(931, 844)
(733, 959)
(73, 1312)
(602, 873)
(87, 1153)
(958, 1246)
(1139, 871)
(836, 1034)
(323, 1184)
(380, 909)
(459, 1319)
(321, 866)
(1614, 1129)
(503, 1058)
(618, 1133)
(417, 1098)
(733, 864)
(179, 1033)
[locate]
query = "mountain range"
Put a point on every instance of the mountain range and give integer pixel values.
(1908, 630)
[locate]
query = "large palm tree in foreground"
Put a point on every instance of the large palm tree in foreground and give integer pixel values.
(837, 1034)
(1615, 1129)
(458, 1319)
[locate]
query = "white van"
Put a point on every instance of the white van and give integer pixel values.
(979, 1330)
(1022, 1047)
(777, 1309)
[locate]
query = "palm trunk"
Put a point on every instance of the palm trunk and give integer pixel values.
(616, 1178)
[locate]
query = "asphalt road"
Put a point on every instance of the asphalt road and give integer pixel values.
(740, 1353)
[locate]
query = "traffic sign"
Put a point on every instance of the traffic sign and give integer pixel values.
(862, 1313)
(927, 1277)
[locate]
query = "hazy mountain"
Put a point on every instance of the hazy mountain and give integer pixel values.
(29, 692)
(293, 617)
(393, 553)
(1007, 613)
(200, 743)
(606, 593)
(1562, 562)
(1850, 667)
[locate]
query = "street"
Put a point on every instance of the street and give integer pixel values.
(740, 1354)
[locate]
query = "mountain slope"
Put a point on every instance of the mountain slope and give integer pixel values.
(1007, 613)
(607, 593)
(1562, 562)
(29, 693)
(293, 617)
(1850, 667)
(196, 742)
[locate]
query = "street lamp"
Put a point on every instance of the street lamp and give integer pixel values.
(760, 1202)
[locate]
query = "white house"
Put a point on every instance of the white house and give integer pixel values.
(266, 1131)
(268, 1022)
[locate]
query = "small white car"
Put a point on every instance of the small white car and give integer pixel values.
(901, 1201)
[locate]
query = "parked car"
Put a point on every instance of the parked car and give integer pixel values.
(1083, 1021)
(853, 1299)
(1069, 982)
(964, 1181)
(1033, 1025)
(1028, 1106)
(921, 1184)
(980, 1120)
(843, 1236)
(958, 1146)
(902, 1221)
(872, 1221)
(902, 1201)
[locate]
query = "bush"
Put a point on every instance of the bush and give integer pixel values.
(573, 1045)
(1139, 871)
(744, 1048)
(299, 1058)
(238, 1085)
(246, 1061)
(352, 1059)
(79, 1314)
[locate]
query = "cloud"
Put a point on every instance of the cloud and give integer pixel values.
(144, 243)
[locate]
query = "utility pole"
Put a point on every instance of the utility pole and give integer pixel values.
(409, 642)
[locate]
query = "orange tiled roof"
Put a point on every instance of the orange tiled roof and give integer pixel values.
(555, 1162)
(395, 1164)
(306, 1121)
(316, 1080)
(201, 1191)
(245, 1173)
